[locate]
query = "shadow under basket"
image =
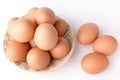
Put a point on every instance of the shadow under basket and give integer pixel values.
(55, 63)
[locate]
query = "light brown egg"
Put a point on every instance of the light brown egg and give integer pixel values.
(105, 44)
(61, 26)
(30, 14)
(44, 15)
(32, 43)
(94, 63)
(10, 24)
(46, 36)
(87, 33)
(22, 30)
(16, 51)
(57, 18)
(61, 49)
(38, 59)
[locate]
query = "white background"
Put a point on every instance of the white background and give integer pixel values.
(105, 13)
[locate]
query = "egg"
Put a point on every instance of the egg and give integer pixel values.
(94, 63)
(11, 21)
(10, 24)
(38, 59)
(32, 43)
(105, 44)
(46, 36)
(22, 30)
(57, 18)
(61, 26)
(44, 15)
(87, 33)
(61, 49)
(30, 14)
(16, 51)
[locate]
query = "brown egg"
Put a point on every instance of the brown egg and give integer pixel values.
(32, 43)
(87, 33)
(30, 14)
(94, 63)
(38, 59)
(105, 44)
(61, 49)
(22, 30)
(61, 26)
(57, 18)
(46, 36)
(11, 21)
(16, 51)
(44, 15)
(10, 24)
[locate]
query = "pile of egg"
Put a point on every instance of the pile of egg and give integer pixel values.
(38, 38)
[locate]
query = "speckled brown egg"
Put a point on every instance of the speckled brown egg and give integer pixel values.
(61, 49)
(94, 63)
(22, 30)
(105, 44)
(44, 15)
(61, 26)
(38, 59)
(16, 51)
(87, 33)
(46, 36)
